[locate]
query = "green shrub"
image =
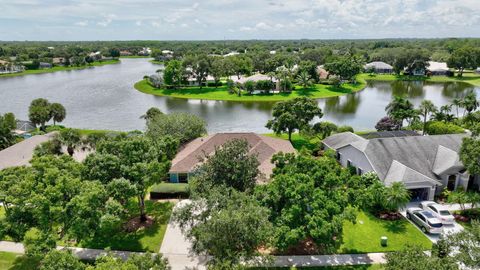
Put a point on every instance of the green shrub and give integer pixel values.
(169, 191)
(438, 127)
(344, 129)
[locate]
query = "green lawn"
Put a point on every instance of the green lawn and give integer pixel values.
(170, 187)
(221, 93)
(149, 239)
(470, 78)
(364, 236)
(13, 261)
(136, 56)
(298, 141)
(59, 68)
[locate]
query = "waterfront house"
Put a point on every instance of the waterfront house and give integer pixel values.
(59, 61)
(323, 74)
(379, 67)
(427, 165)
(437, 68)
(8, 67)
(187, 160)
(44, 65)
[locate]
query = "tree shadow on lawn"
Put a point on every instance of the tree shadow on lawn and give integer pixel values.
(25, 263)
(132, 241)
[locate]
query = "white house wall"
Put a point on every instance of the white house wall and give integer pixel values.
(356, 157)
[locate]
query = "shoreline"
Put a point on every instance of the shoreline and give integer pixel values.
(59, 68)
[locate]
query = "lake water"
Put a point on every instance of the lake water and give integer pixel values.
(104, 98)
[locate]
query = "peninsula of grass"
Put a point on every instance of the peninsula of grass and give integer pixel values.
(60, 68)
(156, 62)
(221, 93)
(470, 78)
(364, 236)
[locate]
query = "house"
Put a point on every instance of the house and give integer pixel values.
(125, 53)
(24, 126)
(323, 74)
(44, 65)
(59, 61)
(8, 67)
(379, 67)
(186, 161)
(255, 78)
(477, 70)
(231, 54)
(425, 164)
(192, 80)
(21, 153)
(437, 68)
(145, 52)
(417, 68)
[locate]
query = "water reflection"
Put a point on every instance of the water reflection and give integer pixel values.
(104, 98)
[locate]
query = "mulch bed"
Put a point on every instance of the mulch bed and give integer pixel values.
(135, 224)
(390, 216)
(461, 218)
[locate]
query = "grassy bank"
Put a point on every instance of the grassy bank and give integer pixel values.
(471, 78)
(221, 93)
(59, 68)
(13, 261)
(156, 62)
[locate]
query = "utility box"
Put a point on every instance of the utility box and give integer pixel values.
(383, 241)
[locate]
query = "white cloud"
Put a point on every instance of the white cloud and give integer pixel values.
(81, 23)
(107, 19)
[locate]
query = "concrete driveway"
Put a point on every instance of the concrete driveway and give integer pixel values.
(447, 229)
(176, 248)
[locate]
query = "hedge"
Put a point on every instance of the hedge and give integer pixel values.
(169, 191)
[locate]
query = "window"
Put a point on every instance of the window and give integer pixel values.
(183, 177)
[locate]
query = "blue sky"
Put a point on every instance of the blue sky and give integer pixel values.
(236, 19)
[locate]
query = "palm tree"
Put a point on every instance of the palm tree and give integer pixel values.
(396, 196)
(470, 102)
(458, 103)
(71, 138)
(304, 79)
(400, 109)
(426, 107)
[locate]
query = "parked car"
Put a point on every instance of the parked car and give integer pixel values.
(425, 219)
(438, 211)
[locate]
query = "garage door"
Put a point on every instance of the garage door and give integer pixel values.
(419, 194)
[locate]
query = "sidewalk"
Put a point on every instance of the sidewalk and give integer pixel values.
(329, 260)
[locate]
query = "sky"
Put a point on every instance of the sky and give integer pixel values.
(236, 19)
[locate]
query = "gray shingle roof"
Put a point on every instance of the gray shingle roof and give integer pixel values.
(378, 65)
(339, 140)
(417, 153)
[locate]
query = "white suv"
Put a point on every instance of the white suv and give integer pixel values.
(425, 219)
(439, 211)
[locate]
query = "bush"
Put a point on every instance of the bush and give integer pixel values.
(249, 86)
(265, 85)
(213, 84)
(344, 129)
(170, 191)
(438, 127)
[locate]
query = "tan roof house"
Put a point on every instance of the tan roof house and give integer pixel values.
(187, 160)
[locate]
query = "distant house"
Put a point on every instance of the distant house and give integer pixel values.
(125, 53)
(426, 165)
(187, 160)
(231, 54)
(477, 70)
(379, 67)
(8, 67)
(44, 65)
(323, 74)
(254, 78)
(437, 68)
(192, 80)
(417, 68)
(59, 61)
(145, 52)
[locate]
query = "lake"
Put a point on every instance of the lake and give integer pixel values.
(104, 98)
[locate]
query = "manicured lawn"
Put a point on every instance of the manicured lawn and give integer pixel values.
(170, 187)
(59, 68)
(298, 141)
(149, 239)
(347, 267)
(221, 92)
(364, 236)
(470, 78)
(2, 212)
(12, 261)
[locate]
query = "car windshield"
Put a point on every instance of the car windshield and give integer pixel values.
(435, 225)
(428, 214)
(444, 213)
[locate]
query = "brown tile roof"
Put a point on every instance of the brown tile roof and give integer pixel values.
(263, 146)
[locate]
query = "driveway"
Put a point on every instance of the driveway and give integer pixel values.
(447, 229)
(176, 248)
